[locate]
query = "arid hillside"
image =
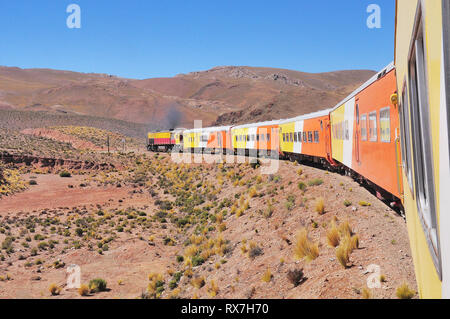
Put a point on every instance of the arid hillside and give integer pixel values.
(222, 95)
(145, 226)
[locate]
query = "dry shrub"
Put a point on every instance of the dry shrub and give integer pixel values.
(267, 276)
(345, 229)
(295, 276)
(404, 292)
(320, 206)
(366, 293)
(304, 247)
(333, 237)
(83, 290)
(343, 255)
(54, 289)
(198, 282)
(213, 289)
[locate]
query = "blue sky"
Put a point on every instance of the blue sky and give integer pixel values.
(147, 38)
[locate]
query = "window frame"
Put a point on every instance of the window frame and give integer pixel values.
(405, 135)
(361, 121)
(316, 137)
(388, 109)
(373, 138)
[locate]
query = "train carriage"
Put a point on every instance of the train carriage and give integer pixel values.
(422, 59)
(219, 139)
(256, 139)
(307, 137)
(365, 135)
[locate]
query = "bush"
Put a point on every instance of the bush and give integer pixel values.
(295, 276)
(83, 290)
(403, 292)
(301, 186)
(54, 290)
(315, 182)
(197, 261)
(65, 174)
(320, 206)
(267, 276)
(32, 182)
(304, 247)
(97, 285)
(333, 237)
(347, 203)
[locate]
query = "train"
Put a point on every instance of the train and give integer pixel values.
(391, 134)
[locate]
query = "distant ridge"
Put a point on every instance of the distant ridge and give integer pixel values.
(221, 95)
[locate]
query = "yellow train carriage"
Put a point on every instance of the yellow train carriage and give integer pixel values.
(422, 50)
(239, 137)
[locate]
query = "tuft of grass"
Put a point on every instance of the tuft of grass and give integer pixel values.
(347, 203)
(198, 282)
(255, 250)
(345, 229)
(304, 247)
(65, 174)
(252, 192)
(315, 182)
(364, 204)
(54, 289)
(83, 290)
(404, 292)
(213, 289)
(343, 255)
(333, 237)
(301, 186)
(267, 276)
(320, 206)
(97, 285)
(382, 278)
(366, 293)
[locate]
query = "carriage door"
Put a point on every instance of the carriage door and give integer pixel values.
(357, 136)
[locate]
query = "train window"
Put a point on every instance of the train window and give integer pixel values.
(405, 135)
(385, 125)
(304, 137)
(421, 138)
(373, 137)
(262, 137)
(363, 122)
(284, 137)
(268, 137)
(310, 137)
(295, 136)
(291, 139)
(316, 136)
(299, 136)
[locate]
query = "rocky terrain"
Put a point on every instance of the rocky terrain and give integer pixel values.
(140, 225)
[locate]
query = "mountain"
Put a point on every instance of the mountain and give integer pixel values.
(222, 95)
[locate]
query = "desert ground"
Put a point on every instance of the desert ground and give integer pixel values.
(152, 228)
